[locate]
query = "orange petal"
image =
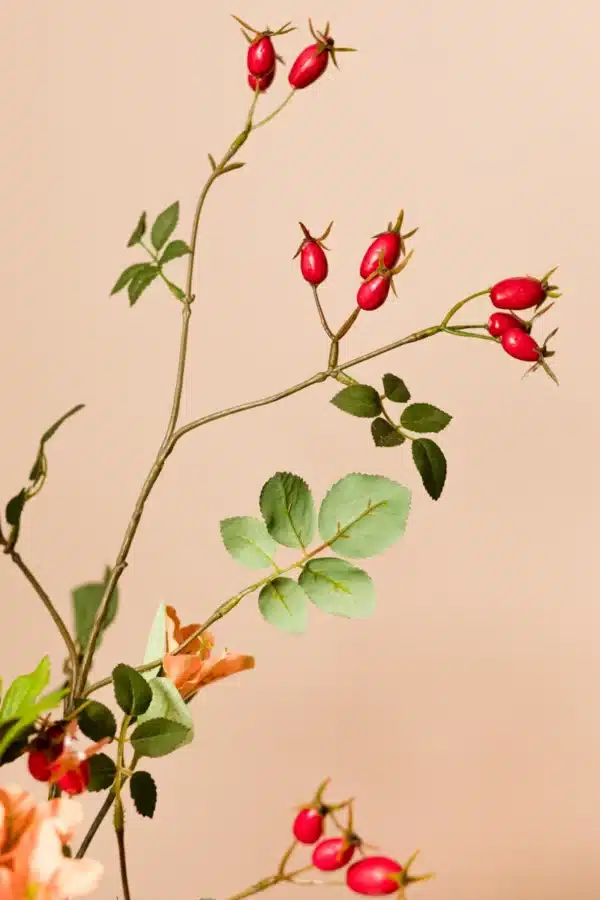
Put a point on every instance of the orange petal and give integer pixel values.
(228, 664)
(185, 671)
(178, 633)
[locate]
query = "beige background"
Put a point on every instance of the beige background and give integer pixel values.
(464, 716)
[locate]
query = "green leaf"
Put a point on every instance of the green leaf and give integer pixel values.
(156, 646)
(138, 232)
(29, 716)
(86, 599)
(385, 435)
(165, 225)
(40, 463)
(288, 509)
(167, 703)
(18, 743)
(142, 788)
(431, 464)
(25, 690)
(248, 541)
(132, 692)
(139, 283)
(158, 737)
(360, 400)
(363, 515)
(96, 721)
(127, 274)
(395, 389)
(102, 772)
(173, 251)
(283, 604)
(338, 588)
(14, 508)
(424, 418)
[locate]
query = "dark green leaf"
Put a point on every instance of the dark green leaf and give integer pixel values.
(142, 788)
(174, 250)
(338, 588)
(96, 721)
(25, 690)
(283, 604)
(18, 743)
(424, 418)
(127, 274)
(385, 435)
(360, 400)
(132, 692)
(102, 772)
(288, 509)
(14, 508)
(158, 737)
(38, 467)
(177, 291)
(86, 600)
(395, 389)
(248, 541)
(167, 703)
(140, 282)
(431, 463)
(165, 225)
(363, 515)
(139, 231)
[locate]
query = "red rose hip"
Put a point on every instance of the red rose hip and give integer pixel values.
(76, 780)
(374, 876)
(308, 826)
(332, 853)
(313, 263)
(520, 345)
(261, 56)
(387, 248)
(310, 64)
(39, 765)
(263, 82)
(500, 322)
(373, 293)
(518, 293)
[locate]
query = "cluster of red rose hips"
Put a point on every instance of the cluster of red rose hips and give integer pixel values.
(309, 64)
(379, 264)
(53, 757)
(371, 876)
(513, 332)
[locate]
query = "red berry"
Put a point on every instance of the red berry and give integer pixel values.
(308, 66)
(500, 322)
(520, 345)
(373, 293)
(331, 854)
(39, 765)
(261, 56)
(374, 876)
(518, 293)
(313, 263)
(76, 780)
(390, 243)
(262, 83)
(308, 826)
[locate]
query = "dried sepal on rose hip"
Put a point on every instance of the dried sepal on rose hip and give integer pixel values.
(312, 62)
(522, 346)
(390, 243)
(377, 876)
(375, 290)
(313, 261)
(523, 292)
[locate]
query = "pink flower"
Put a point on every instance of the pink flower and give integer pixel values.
(32, 865)
(194, 668)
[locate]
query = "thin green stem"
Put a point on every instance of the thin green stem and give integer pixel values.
(458, 306)
(120, 833)
(459, 332)
(119, 814)
(275, 112)
(322, 318)
(22, 566)
(167, 444)
(265, 883)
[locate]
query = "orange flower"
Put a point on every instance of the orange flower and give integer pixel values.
(32, 865)
(194, 668)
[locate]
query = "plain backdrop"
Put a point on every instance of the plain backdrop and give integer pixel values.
(464, 715)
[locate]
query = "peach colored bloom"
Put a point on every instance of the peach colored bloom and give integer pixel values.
(194, 668)
(32, 865)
